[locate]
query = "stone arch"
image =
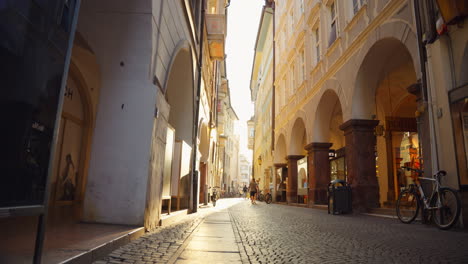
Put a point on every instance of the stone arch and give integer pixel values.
(380, 96)
(378, 62)
(328, 118)
(280, 150)
(179, 91)
(76, 128)
(298, 139)
(89, 118)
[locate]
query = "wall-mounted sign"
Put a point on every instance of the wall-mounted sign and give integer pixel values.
(215, 25)
(400, 124)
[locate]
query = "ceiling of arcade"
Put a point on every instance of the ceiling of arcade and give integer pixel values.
(392, 97)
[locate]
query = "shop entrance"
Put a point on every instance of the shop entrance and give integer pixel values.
(337, 164)
(402, 143)
(68, 182)
(281, 184)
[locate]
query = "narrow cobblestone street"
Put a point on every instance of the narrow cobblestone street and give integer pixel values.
(285, 234)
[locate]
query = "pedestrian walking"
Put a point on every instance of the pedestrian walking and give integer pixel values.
(245, 191)
(253, 187)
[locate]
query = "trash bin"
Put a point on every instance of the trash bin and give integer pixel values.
(339, 197)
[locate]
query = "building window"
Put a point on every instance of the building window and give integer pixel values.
(301, 3)
(357, 4)
(317, 45)
(333, 24)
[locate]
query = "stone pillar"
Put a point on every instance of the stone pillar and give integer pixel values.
(319, 171)
(360, 161)
(291, 189)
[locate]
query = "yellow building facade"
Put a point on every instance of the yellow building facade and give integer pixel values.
(261, 87)
(348, 101)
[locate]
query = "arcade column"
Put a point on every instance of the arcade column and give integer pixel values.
(319, 171)
(291, 189)
(360, 162)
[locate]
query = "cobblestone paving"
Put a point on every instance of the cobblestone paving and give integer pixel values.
(155, 247)
(284, 234)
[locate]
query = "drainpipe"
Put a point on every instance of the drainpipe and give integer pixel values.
(197, 109)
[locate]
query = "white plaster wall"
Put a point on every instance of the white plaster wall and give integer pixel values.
(440, 82)
(119, 31)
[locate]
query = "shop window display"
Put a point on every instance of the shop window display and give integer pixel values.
(337, 165)
(407, 155)
(302, 186)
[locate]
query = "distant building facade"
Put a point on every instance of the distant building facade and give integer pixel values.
(261, 87)
(245, 170)
(228, 141)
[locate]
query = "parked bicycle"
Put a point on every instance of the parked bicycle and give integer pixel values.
(443, 206)
(267, 198)
(260, 196)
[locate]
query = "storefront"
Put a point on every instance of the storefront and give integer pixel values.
(337, 164)
(281, 183)
(403, 146)
(302, 181)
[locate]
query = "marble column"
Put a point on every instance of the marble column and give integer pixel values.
(291, 188)
(318, 165)
(360, 162)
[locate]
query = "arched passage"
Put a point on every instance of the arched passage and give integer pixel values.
(75, 133)
(280, 150)
(298, 138)
(328, 119)
(382, 132)
(180, 97)
(204, 149)
(296, 190)
(280, 180)
(326, 138)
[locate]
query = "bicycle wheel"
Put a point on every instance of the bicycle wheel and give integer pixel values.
(268, 198)
(448, 209)
(407, 206)
(260, 197)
